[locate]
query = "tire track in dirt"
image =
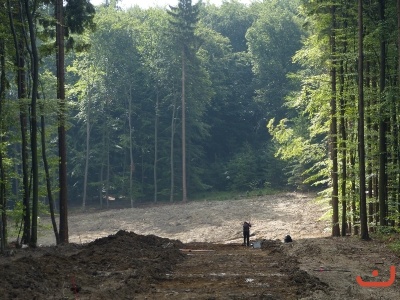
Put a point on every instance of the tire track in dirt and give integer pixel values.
(213, 271)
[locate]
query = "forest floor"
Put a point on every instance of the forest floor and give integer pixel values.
(194, 251)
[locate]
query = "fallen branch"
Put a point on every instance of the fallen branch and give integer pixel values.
(199, 250)
(330, 270)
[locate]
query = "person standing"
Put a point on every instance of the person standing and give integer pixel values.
(246, 233)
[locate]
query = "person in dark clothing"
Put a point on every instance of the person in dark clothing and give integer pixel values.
(246, 233)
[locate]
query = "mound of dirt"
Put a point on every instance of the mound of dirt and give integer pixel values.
(112, 267)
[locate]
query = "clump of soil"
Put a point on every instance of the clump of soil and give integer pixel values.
(107, 268)
(305, 283)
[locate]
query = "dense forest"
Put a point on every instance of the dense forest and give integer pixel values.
(102, 104)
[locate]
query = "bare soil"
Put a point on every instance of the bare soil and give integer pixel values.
(195, 251)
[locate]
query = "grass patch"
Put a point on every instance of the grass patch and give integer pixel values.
(395, 246)
(390, 236)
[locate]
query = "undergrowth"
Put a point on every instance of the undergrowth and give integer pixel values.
(390, 236)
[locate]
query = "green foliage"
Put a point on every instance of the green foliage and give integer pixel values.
(245, 172)
(231, 20)
(395, 247)
(273, 39)
(389, 236)
(184, 18)
(17, 212)
(133, 65)
(79, 16)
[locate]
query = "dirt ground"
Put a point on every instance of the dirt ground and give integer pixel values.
(194, 251)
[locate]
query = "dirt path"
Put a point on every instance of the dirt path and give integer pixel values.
(234, 272)
(152, 265)
(338, 261)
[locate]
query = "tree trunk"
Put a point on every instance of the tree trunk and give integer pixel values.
(156, 148)
(102, 159)
(35, 82)
(48, 183)
(375, 128)
(21, 84)
(398, 86)
(171, 196)
(344, 150)
(3, 200)
(184, 191)
(24, 159)
(361, 141)
(382, 128)
(85, 179)
(353, 194)
(333, 133)
(369, 154)
(132, 164)
(62, 145)
(108, 167)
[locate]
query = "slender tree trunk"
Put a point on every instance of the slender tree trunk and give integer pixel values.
(172, 162)
(132, 164)
(108, 179)
(398, 86)
(48, 182)
(21, 82)
(108, 167)
(361, 142)
(344, 151)
(85, 179)
(382, 128)
(156, 148)
(101, 184)
(394, 173)
(333, 133)
(353, 194)
(62, 145)
(24, 158)
(35, 82)
(143, 170)
(375, 128)
(3, 200)
(184, 191)
(102, 159)
(369, 154)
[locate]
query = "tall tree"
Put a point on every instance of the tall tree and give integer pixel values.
(382, 122)
(333, 129)
(361, 142)
(29, 9)
(398, 87)
(19, 45)
(184, 20)
(79, 14)
(3, 200)
(62, 146)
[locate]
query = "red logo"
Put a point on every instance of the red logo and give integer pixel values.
(378, 283)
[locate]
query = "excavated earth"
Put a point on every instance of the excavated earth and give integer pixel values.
(195, 251)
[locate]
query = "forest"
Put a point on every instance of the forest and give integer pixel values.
(102, 104)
